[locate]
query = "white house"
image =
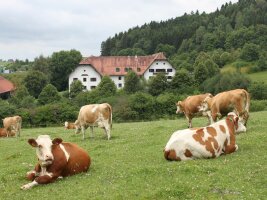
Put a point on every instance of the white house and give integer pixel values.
(90, 70)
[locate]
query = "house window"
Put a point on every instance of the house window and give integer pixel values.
(84, 74)
(84, 79)
(157, 63)
(126, 69)
(169, 77)
(84, 87)
(93, 79)
(130, 69)
(84, 70)
(160, 70)
(119, 77)
(93, 87)
(151, 70)
(119, 85)
(138, 69)
(117, 69)
(163, 63)
(75, 79)
(169, 70)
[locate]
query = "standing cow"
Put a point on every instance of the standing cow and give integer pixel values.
(94, 115)
(56, 159)
(237, 101)
(12, 123)
(190, 106)
(206, 142)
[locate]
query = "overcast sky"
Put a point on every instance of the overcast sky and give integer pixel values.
(30, 28)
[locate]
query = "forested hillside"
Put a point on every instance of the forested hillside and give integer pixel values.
(223, 34)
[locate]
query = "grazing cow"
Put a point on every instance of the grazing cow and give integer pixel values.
(237, 101)
(12, 123)
(69, 125)
(190, 106)
(56, 159)
(206, 142)
(94, 115)
(3, 132)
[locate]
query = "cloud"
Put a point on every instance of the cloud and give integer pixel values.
(30, 28)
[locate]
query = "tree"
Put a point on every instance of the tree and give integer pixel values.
(132, 83)
(42, 64)
(49, 94)
(183, 81)
(167, 49)
(250, 52)
(158, 84)
(76, 87)
(106, 87)
(61, 64)
(22, 98)
(35, 82)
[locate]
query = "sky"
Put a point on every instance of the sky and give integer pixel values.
(30, 28)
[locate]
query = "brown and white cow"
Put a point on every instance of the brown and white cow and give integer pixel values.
(56, 159)
(12, 123)
(205, 142)
(3, 132)
(190, 106)
(94, 115)
(237, 101)
(69, 125)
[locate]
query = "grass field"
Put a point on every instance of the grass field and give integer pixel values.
(259, 76)
(131, 165)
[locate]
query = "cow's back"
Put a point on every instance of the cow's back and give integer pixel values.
(192, 103)
(70, 158)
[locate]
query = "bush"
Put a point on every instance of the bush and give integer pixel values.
(258, 90)
(258, 105)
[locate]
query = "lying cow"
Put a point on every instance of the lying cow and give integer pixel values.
(12, 123)
(237, 101)
(3, 132)
(69, 125)
(56, 159)
(190, 106)
(94, 115)
(206, 142)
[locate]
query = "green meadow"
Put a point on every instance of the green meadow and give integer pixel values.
(131, 165)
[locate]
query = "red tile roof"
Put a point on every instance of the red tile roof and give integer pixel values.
(6, 85)
(106, 65)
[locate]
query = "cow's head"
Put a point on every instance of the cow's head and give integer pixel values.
(66, 124)
(77, 127)
(239, 126)
(204, 106)
(43, 145)
(179, 108)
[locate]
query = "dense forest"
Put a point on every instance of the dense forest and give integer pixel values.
(211, 53)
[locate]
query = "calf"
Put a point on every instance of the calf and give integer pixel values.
(69, 125)
(206, 142)
(12, 123)
(237, 101)
(3, 132)
(190, 106)
(56, 159)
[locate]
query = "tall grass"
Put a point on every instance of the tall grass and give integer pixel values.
(131, 165)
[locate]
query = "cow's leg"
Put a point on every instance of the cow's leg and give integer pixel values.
(83, 132)
(48, 178)
(92, 131)
(230, 149)
(31, 175)
(189, 121)
(107, 130)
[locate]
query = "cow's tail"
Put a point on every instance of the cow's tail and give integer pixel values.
(110, 117)
(247, 105)
(247, 101)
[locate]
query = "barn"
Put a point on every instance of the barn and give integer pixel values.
(6, 87)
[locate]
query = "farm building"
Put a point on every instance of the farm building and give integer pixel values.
(91, 69)
(6, 87)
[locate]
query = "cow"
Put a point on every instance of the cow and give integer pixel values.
(3, 132)
(206, 142)
(237, 101)
(56, 159)
(94, 115)
(190, 106)
(12, 123)
(69, 125)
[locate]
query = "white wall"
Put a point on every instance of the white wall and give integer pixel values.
(118, 80)
(85, 73)
(157, 65)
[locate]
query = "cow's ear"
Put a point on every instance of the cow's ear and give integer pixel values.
(32, 142)
(57, 141)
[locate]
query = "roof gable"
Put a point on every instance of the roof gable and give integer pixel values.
(6, 85)
(115, 65)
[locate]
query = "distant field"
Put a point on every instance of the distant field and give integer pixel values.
(131, 165)
(259, 76)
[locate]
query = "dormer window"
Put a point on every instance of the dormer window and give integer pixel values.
(117, 69)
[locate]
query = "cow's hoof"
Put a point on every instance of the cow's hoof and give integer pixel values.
(236, 147)
(25, 187)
